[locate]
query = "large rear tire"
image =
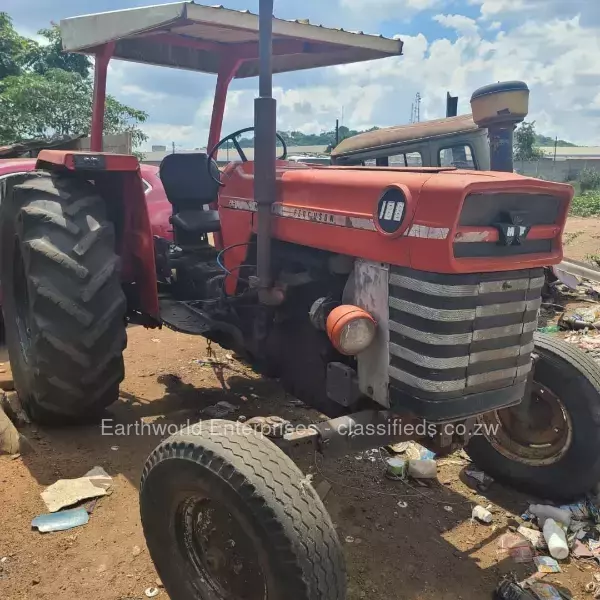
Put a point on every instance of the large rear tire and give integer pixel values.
(62, 302)
(554, 451)
(228, 516)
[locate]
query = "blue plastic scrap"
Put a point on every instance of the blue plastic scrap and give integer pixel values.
(61, 521)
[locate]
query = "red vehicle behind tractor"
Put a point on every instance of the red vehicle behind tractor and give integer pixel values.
(386, 297)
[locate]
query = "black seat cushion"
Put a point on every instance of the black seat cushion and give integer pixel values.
(187, 182)
(197, 221)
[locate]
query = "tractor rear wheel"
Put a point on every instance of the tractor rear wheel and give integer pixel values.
(228, 516)
(63, 306)
(552, 449)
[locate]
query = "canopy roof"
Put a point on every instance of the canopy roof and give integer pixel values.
(391, 136)
(192, 36)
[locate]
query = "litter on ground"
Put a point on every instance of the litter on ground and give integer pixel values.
(546, 564)
(220, 409)
(483, 479)
(61, 521)
(67, 492)
(482, 514)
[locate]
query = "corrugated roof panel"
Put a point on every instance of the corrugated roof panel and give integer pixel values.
(193, 36)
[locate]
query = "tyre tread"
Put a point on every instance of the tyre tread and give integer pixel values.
(77, 303)
(280, 498)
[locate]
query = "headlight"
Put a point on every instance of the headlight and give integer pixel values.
(350, 329)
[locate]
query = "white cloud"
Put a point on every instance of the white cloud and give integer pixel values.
(543, 42)
(540, 9)
(554, 57)
(164, 133)
(490, 8)
(460, 23)
(388, 10)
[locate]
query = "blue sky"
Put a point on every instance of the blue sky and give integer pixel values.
(450, 45)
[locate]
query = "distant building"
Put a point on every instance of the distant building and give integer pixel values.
(572, 152)
(570, 160)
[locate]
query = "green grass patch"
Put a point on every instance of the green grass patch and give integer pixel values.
(586, 205)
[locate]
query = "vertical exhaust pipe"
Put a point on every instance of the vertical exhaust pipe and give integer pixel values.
(265, 123)
(499, 107)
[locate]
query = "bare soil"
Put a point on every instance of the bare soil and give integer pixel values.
(582, 238)
(428, 550)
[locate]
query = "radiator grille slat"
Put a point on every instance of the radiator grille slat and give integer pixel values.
(459, 334)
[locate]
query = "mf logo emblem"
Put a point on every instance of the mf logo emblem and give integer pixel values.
(512, 229)
(391, 210)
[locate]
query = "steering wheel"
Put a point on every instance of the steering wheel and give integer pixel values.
(234, 138)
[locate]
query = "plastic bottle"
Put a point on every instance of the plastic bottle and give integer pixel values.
(549, 329)
(544, 511)
(482, 514)
(555, 538)
(422, 468)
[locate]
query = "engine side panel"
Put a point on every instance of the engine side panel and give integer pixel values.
(371, 293)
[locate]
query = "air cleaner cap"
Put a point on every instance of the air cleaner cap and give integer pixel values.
(499, 103)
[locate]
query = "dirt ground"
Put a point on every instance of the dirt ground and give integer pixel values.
(428, 550)
(582, 238)
(425, 551)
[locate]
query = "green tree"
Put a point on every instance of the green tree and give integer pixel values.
(14, 48)
(544, 140)
(45, 57)
(45, 92)
(524, 144)
(58, 103)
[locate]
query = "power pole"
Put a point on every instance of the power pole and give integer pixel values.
(415, 109)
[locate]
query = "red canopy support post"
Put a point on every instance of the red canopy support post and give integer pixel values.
(227, 71)
(102, 58)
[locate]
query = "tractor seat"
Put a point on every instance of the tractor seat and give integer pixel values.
(189, 189)
(203, 221)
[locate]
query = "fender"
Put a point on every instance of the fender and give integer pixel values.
(118, 179)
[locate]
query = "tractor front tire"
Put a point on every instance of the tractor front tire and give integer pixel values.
(62, 301)
(226, 514)
(553, 452)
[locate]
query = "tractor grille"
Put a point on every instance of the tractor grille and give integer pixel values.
(490, 209)
(457, 335)
(487, 209)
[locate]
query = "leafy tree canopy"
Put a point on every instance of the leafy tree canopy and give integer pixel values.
(544, 140)
(45, 92)
(15, 49)
(297, 138)
(525, 142)
(58, 103)
(45, 57)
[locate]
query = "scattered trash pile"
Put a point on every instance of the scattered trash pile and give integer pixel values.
(576, 290)
(544, 536)
(581, 321)
(548, 535)
(66, 493)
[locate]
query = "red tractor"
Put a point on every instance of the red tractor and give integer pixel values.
(402, 302)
